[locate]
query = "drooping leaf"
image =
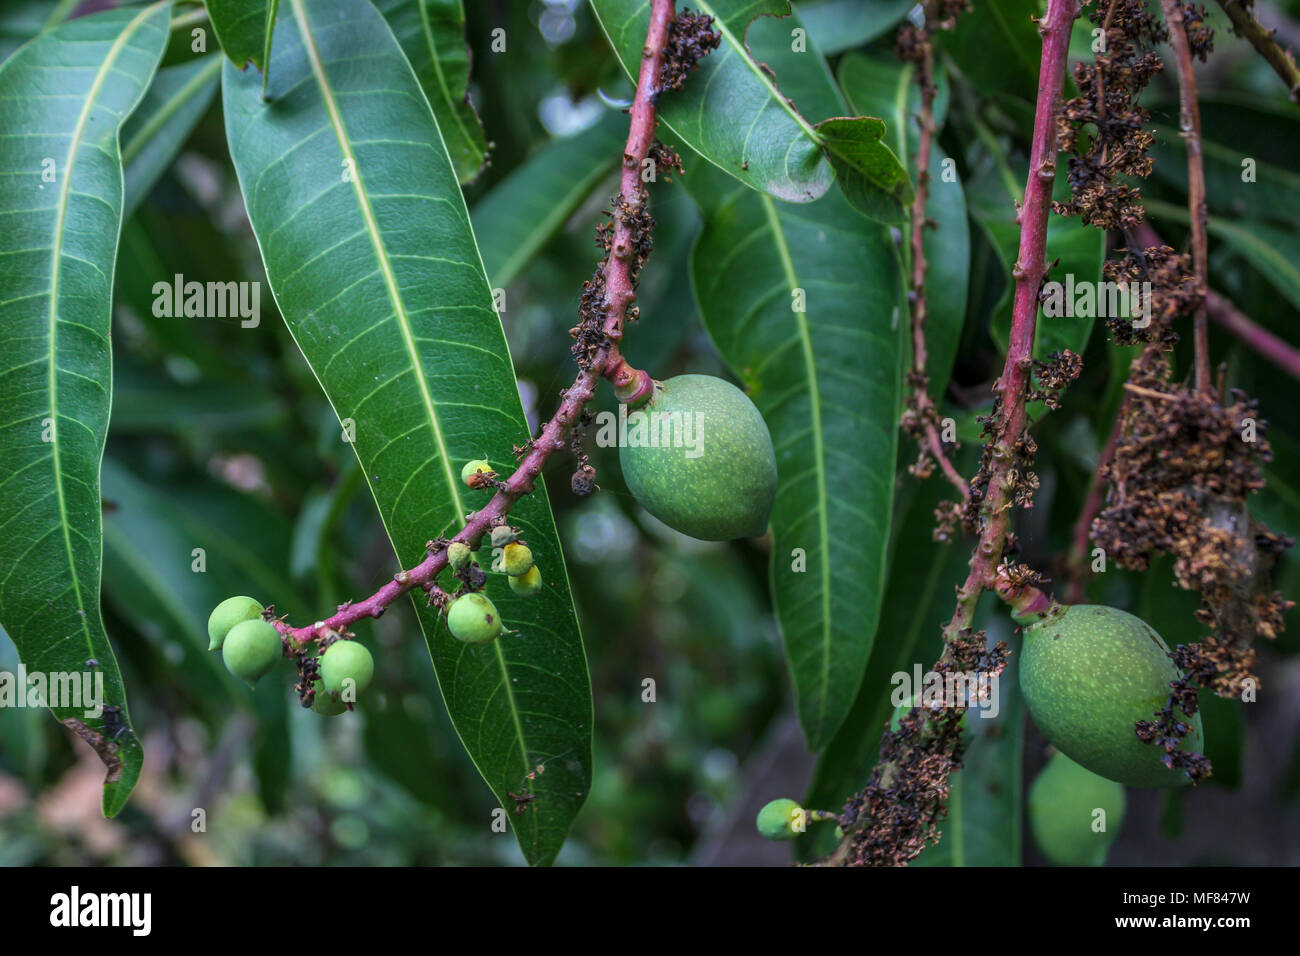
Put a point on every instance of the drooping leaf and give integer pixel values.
(151, 138)
(154, 577)
(432, 34)
(244, 29)
(63, 98)
(839, 25)
(889, 90)
(738, 117)
(368, 250)
(523, 211)
(803, 304)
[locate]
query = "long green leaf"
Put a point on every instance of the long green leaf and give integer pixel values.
(432, 34)
(63, 98)
(734, 114)
(802, 302)
(525, 209)
(244, 29)
(151, 138)
(368, 249)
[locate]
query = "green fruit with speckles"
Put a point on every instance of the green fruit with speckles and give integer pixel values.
(699, 458)
(227, 614)
(473, 618)
(516, 559)
(781, 819)
(458, 555)
(251, 650)
(325, 704)
(1088, 674)
(528, 583)
(1064, 805)
(472, 468)
(346, 668)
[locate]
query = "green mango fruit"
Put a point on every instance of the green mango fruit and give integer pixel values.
(325, 703)
(251, 650)
(1064, 801)
(473, 618)
(227, 614)
(516, 559)
(344, 665)
(781, 819)
(1088, 673)
(703, 462)
(528, 583)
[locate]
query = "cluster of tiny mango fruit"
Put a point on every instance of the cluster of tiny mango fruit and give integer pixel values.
(472, 617)
(251, 647)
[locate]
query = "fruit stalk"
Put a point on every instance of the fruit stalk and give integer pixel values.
(1189, 122)
(607, 360)
(877, 834)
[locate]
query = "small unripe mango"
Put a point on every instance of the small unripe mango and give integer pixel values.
(528, 583)
(702, 460)
(1074, 814)
(251, 650)
(781, 819)
(1089, 673)
(346, 668)
(516, 559)
(502, 535)
(325, 704)
(473, 618)
(458, 555)
(476, 467)
(227, 614)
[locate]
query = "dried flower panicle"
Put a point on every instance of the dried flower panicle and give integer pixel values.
(1184, 466)
(690, 37)
(896, 816)
(1174, 293)
(1103, 128)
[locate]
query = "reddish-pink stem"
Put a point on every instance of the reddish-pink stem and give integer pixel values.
(1189, 121)
(619, 294)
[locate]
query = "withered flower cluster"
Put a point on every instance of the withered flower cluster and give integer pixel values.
(1184, 467)
(1104, 128)
(1173, 294)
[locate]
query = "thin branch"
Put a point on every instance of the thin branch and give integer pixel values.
(1261, 38)
(872, 838)
(1189, 121)
(607, 361)
(922, 412)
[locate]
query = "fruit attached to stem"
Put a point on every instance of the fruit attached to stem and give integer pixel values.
(782, 819)
(346, 668)
(528, 583)
(251, 650)
(227, 614)
(1074, 814)
(473, 618)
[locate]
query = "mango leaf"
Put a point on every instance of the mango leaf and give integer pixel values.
(432, 34)
(523, 211)
(244, 29)
(997, 47)
(20, 20)
(151, 138)
(734, 114)
(368, 250)
(151, 578)
(60, 216)
(803, 305)
(888, 89)
(922, 578)
(839, 25)
(983, 826)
